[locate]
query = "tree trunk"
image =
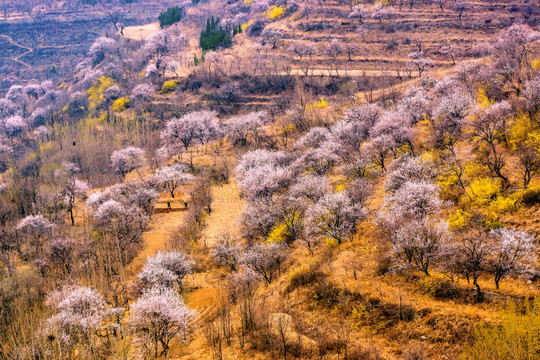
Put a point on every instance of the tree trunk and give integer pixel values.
(479, 294)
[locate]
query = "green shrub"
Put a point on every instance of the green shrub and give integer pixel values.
(213, 37)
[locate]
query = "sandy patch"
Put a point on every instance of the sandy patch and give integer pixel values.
(141, 32)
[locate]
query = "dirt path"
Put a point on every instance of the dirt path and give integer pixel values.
(201, 288)
(162, 226)
(18, 57)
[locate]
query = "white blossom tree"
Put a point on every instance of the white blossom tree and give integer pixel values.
(513, 252)
(165, 269)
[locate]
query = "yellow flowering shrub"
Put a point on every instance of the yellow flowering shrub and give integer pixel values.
(96, 91)
(504, 204)
(320, 104)
(169, 86)
(458, 220)
(275, 12)
(483, 99)
(121, 104)
(483, 191)
(278, 234)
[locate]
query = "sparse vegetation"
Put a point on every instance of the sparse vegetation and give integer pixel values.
(269, 179)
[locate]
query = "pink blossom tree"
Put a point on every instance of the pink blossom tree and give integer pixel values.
(227, 253)
(408, 168)
(448, 118)
(451, 51)
(100, 48)
(489, 126)
(79, 313)
(310, 187)
(112, 93)
(137, 193)
(347, 139)
(262, 173)
(333, 50)
(302, 48)
(159, 316)
(75, 189)
(377, 149)
(381, 12)
(123, 225)
(266, 260)
(364, 117)
(416, 103)
(257, 219)
(395, 126)
(532, 95)
(360, 12)
(128, 159)
(314, 138)
(320, 160)
(419, 62)
(415, 200)
(513, 50)
(243, 287)
(409, 222)
(334, 217)
(7, 108)
(418, 243)
(197, 127)
(242, 129)
(271, 36)
(35, 228)
(16, 95)
(157, 46)
(142, 93)
(171, 178)
(14, 126)
(470, 255)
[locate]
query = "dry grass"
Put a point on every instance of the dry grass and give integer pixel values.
(226, 208)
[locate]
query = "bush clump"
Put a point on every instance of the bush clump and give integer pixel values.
(169, 86)
(214, 37)
(121, 104)
(439, 287)
(171, 16)
(303, 276)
